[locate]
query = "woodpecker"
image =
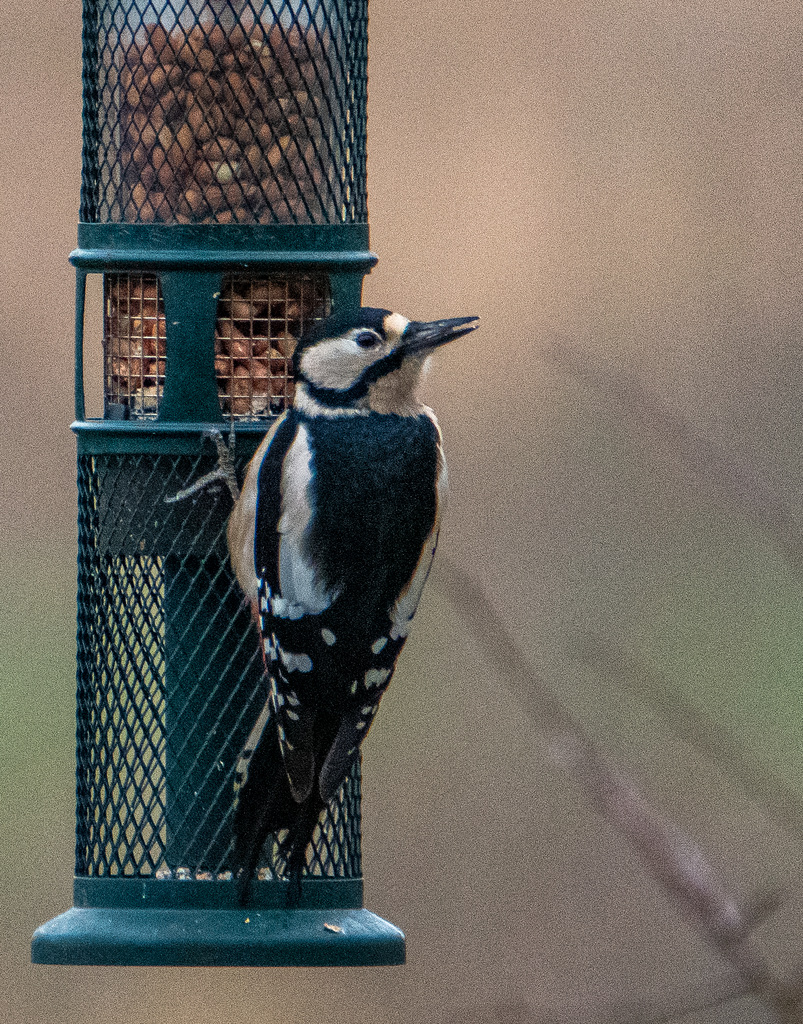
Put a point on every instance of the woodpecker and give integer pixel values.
(331, 540)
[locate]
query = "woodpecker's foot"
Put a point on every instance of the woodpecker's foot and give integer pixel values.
(225, 459)
(224, 471)
(244, 879)
(294, 889)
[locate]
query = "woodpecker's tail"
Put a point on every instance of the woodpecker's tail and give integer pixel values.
(263, 801)
(264, 804)
(299, 836)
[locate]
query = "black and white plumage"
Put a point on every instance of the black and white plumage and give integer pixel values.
(332, 540)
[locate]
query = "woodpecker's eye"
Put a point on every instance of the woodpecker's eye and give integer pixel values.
(367, 339)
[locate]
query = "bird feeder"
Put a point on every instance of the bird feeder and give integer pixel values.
(223, 201)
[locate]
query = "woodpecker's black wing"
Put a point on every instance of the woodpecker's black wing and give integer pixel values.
(361, 499)
(264, 802)
(274, 780)
(293, 598)
(372, 677)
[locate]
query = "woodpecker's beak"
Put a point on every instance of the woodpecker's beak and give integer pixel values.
(421, 337)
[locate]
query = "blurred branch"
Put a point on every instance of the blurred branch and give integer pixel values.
(671, 856)
(748, 492)
(711, 996)
(691, 725)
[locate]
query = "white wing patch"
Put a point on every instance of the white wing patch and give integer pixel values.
(243, 761)
(375, 677)
(299, 587)
(281, 608)
(295, 662)
(271, 647)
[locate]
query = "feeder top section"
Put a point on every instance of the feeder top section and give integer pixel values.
(224, 113)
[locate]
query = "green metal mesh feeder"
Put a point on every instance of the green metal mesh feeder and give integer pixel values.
(223, 200)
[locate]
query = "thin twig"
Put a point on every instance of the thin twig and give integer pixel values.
(693, 726)
(746, 490)
(672, 857)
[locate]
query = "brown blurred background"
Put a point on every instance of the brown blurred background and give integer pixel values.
(616, 190)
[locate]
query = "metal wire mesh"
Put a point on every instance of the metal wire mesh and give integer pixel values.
(224, 111)
(258, 322)
(169, 682)
(134, 343)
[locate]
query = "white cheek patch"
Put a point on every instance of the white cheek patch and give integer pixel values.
(335, 363)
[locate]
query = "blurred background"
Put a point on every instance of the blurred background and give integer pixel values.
(615, 189)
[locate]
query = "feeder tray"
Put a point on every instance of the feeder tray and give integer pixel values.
(223, 201)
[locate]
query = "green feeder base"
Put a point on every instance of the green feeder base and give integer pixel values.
(149, 924)
(218, 938)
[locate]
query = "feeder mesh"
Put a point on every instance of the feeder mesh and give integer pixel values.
(224, 113)
(170, 681)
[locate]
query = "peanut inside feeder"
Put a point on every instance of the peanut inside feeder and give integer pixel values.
(258, 322)
(134, 343)
(228, 127)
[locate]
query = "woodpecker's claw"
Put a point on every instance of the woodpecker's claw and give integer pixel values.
(224, 471)
(225, 459)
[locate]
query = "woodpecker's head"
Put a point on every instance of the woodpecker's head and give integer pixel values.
(368, 359)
